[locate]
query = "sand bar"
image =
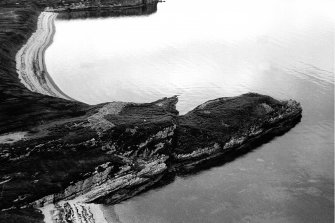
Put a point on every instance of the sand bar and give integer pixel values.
(30, 62)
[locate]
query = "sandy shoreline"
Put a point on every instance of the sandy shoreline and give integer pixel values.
(30, 62)
(78, 212)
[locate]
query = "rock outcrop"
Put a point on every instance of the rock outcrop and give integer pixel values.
(118, 149)
(114, 145)
(224, 125)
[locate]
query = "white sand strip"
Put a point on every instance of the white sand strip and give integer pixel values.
(30, 62)
(74, 212)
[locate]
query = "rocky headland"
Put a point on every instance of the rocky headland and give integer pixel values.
(65, 157)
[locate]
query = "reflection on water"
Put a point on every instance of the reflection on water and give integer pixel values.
(203, 51)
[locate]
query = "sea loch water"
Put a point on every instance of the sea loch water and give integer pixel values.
(202, 50)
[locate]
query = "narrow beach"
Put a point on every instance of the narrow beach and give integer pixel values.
(30, 62)
(80, 212)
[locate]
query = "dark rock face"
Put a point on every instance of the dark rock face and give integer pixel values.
(110, 136)
(118, 149)
(112, 151)
(225, 124)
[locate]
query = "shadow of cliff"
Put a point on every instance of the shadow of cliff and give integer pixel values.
(142, 10)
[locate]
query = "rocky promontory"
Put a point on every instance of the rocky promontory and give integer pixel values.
(65, 157)
(116, 150)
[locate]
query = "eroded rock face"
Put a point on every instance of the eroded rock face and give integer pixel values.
(113, 145)
(118, 149)
(226, 124)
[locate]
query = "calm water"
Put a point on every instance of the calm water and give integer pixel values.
(282, 48)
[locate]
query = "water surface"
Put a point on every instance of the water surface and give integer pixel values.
(202, 50)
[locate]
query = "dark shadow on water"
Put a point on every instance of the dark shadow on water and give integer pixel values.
(143, 10)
